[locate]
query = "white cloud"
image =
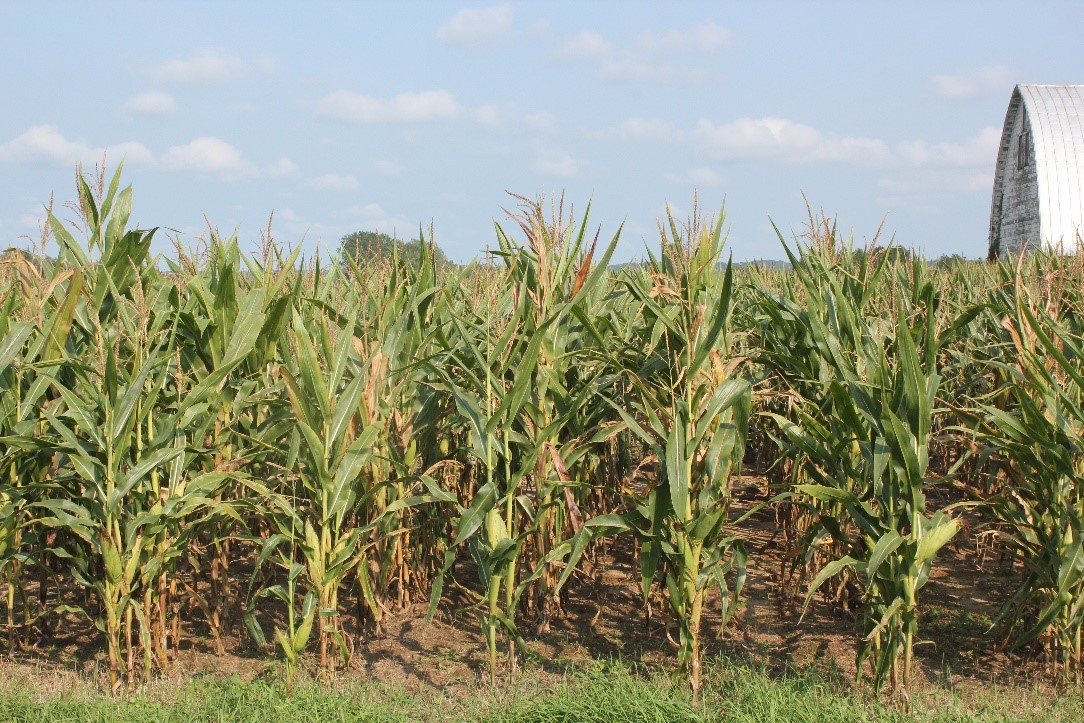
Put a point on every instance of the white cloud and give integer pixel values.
(542, 122)
(927, 190)
(131, 152)
(974, 83)
(489, 115)
(153, 102)
(785, 141)
(45, 143)
(650, 58)
(503, 116)
(631, 67)
(203, 155)
(937, 182)
(368, 210)
(477, 28)
(323, 234)
(429, 105)
(34, 217)
(555, 162)
(703, 38)
(585, 45)
(372, 217)
(333, 182)
(982, 149)
(642, 129)
(931, 172)
(388, 168)
(695, 177)
(206, 66)
(208, 155)
(282, 168)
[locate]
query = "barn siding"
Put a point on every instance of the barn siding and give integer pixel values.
(1020, 221)
(1043, 202)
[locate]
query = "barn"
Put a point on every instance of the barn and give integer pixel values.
(1038, 197)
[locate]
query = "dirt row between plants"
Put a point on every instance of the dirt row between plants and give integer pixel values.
(606, 619)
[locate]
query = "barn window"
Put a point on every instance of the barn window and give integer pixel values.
(1023, 150)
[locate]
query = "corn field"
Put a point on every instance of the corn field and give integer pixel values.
(297, 451)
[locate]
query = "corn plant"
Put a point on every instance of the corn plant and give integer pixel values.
(1038, 444)
(116, 500)
(324, 394)
(508, 379)
(216, 305)
(481, 376)
(126, 502)
(871, 454)
(320, 518)
(554, 273)
(28, 352)
(353, 432)
(21, 466)
(398, 306)
(691, 409)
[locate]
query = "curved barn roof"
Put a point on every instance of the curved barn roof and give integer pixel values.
(1056, 117)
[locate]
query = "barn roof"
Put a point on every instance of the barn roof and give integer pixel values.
(1056, 115)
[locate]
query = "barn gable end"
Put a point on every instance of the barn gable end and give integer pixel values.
(1038, 194)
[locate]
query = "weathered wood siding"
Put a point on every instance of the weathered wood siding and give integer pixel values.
(1038, 194)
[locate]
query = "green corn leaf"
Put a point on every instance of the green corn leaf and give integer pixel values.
(12, 343)
(888, 617)
(349, 467)
(829, 570)
(111, 557)
(941, 528)
(123, 415)
(117, 208)
(298, 400)
(905, 447)
(345, 407)
(473, 517)
(60, 323)
(886, 545)
(151, 461)
(677, 472)
(68, 245)
(311, 375)
(719, 316)
(80, 413)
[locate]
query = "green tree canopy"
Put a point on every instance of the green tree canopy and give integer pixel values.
(366, 247)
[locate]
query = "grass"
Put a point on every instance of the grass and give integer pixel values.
(610, 691)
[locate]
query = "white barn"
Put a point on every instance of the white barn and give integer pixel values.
(1039, 179)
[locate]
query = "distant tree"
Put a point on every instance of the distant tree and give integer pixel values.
(893, 254)
(949, 260)
(366, 247)
(896, 254)
(18, 258)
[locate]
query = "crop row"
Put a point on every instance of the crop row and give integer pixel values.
(302, 449)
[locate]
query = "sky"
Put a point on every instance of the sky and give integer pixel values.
(325, 118)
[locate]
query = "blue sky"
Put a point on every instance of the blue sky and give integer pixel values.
(341, 116)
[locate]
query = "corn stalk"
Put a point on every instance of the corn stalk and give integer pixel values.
(1038, 444)
(870, 456)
